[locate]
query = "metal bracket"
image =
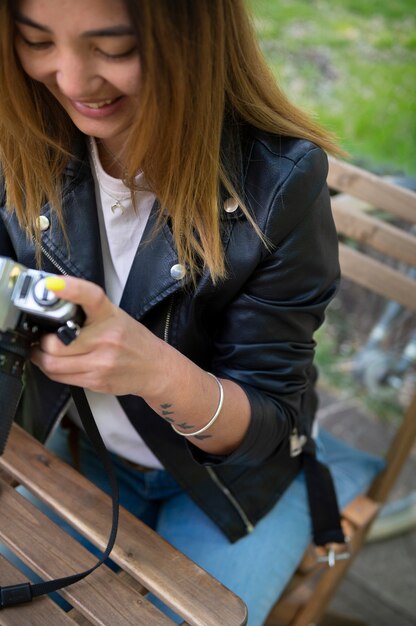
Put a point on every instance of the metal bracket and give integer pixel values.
(332, 556)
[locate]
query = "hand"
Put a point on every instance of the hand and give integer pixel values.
(113, 354)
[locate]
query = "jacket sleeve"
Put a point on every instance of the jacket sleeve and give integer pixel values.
(266, 341)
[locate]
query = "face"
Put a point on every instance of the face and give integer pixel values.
(85, 54)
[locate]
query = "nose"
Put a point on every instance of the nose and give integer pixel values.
(76, 76)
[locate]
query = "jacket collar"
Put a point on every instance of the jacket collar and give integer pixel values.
(152, 276)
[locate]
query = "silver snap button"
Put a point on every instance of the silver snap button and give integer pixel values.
(43, 222)
(177, 271)
(230, 205)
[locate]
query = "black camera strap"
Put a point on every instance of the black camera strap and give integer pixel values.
(322, 498)
(13, 355)
(25, 592)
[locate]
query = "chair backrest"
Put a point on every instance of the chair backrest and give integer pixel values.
(375, 220)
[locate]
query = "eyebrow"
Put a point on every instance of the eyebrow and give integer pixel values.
(112, 31)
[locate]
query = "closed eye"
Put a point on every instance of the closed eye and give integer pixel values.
(36, 45)
(119, 55)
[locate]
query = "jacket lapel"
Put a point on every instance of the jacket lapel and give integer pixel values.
(79, 252)
(81, 256)
(151, 278)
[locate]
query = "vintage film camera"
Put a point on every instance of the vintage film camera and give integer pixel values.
(27, 310)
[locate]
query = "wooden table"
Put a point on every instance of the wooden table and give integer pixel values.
(147, 562)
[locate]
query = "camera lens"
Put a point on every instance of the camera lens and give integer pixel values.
(42, 295)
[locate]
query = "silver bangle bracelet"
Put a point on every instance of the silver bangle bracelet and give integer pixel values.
(213, 418)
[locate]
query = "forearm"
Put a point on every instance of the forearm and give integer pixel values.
(187, 397)
(114, 354)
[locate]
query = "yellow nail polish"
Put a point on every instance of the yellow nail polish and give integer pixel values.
(55, 283)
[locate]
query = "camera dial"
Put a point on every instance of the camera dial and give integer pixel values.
(42, 295)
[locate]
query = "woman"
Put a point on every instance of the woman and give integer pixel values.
(149, 156)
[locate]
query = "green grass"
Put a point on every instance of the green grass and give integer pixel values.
(352, 64)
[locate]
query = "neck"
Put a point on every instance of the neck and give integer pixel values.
(112, 161)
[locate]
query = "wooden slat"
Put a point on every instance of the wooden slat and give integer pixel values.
(399, 451)
(178, 582)
(127, 580)
(79, 619)
(361, 511)
(7, 478)
(378, 234)
(50, 552)
(377, 277)
(373, 189)
(47, 612)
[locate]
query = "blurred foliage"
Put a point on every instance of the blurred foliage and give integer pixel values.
(355, 367)
(352, 64)
(336, 374)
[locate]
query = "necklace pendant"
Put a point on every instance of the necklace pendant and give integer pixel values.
(117, 207)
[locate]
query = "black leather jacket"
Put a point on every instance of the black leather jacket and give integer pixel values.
(255, 327)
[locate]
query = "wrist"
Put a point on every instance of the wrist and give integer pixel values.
(165, 374)
(199, 431)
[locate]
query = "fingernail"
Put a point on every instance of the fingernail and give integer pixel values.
(55, 283)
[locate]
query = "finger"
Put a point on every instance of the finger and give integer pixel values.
(71, 370)
(53, 365)
(52, 344)
(87, 294)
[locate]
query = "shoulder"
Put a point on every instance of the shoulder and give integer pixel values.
(284, 177)
(278, 162)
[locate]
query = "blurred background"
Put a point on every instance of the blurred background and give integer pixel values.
(352, 65)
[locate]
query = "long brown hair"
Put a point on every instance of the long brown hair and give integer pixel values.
(200, 60)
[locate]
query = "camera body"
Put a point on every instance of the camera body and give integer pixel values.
(29, 308)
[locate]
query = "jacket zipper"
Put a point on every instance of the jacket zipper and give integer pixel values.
(168, 320)
(52, 260)
(69, 401)
(232, 500)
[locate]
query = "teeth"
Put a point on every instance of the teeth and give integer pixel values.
(97, 105)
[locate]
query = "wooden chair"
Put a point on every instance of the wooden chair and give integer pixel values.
(376, 249)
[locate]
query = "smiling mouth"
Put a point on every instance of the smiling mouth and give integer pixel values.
(99, 105)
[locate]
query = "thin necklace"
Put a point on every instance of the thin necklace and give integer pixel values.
(114, 158)
(117, 206)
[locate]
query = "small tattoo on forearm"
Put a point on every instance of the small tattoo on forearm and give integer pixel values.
(165, 411)
(185, 426)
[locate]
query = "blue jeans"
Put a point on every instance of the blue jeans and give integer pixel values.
(258, 566)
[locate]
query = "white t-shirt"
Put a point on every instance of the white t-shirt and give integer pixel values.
(121, 229)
